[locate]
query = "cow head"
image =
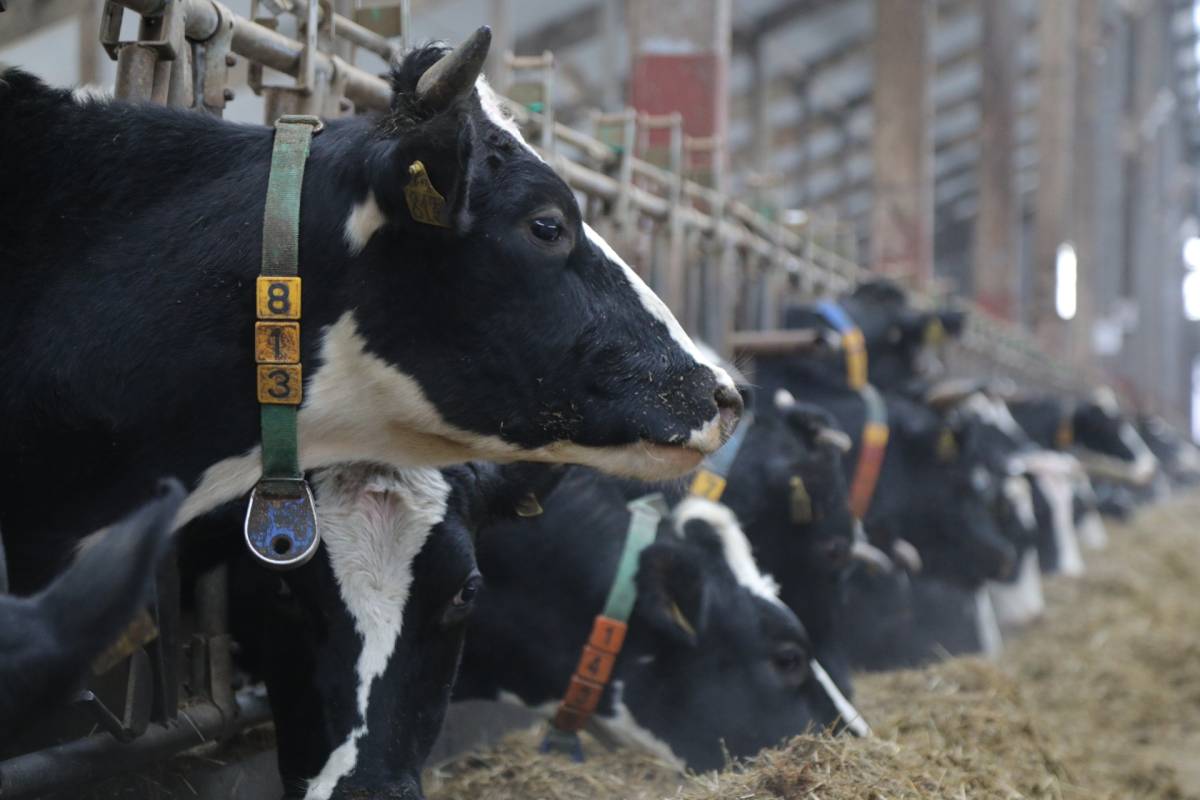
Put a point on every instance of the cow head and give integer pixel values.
(954, 498)
(361, 645)
(723, 666)
(902, 341)
(487, 313)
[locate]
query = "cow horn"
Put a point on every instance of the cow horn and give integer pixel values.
(455, 74)
(868, 554)
(831, 437)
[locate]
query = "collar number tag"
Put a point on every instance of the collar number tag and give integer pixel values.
(281, 523)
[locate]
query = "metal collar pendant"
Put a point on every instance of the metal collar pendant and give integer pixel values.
(281, 519)
(599, 656)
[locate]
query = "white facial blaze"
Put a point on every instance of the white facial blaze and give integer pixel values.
(734, 544)
(1022, 601)
(986, 625)
(374, 521)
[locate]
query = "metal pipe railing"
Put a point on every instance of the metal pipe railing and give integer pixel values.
(82, 762)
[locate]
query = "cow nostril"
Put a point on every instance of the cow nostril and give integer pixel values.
(730, 405)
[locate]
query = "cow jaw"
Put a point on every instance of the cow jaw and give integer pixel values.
(358, 407)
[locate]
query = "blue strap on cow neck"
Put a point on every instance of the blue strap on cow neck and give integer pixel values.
(281, 521)
(710, 480)
(854, 344)
(599, 656)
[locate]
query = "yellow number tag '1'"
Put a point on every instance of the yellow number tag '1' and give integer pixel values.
(278, 298)
(277, 342)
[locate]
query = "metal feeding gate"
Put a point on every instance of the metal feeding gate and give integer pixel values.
(725, 268)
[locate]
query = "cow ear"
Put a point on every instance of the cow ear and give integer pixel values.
(422, 179)
(507, 491)
(671, 593)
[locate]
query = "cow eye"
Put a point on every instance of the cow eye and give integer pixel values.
(470, 588)
(459, 607)
(791, 663)
(548, 229)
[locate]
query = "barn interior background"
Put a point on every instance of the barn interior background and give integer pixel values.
(1035, 158)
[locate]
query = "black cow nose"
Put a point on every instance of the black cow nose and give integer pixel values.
(730, 406)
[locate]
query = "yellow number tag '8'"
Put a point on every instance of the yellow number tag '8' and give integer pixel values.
(280, 384)
(708, 484)
(278, 297)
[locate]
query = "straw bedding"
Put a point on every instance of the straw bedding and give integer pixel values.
(1101, 699)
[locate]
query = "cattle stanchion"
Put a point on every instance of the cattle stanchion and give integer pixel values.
(84, 761)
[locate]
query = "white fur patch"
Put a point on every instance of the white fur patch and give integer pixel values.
(1059, 494)
(365, 218)
(734, 543)
(1022, 601)
(992, 412)
(90, 93)
(1020, 497)
(374, 521)
(849, 714)
(986, 625)
(1092, 532)
(496, 114)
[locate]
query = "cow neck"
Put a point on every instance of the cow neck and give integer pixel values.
(281, 522)
(713, 475)
(600, 653)
(875, 432)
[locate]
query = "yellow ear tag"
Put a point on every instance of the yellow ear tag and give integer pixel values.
(947, 446)
(425, 203)
(681, 620)
(802, 512)
(935, 333)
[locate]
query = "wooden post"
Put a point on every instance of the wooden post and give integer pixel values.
(995, 267)
(901, 147)
(1056, 119)
(499, 17)
(1085, 208)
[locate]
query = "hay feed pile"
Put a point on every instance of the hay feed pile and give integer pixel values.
(1101, 699)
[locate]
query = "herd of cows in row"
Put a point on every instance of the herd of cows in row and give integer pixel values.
(487, 404)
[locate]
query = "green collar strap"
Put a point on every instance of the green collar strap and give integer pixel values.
(599, 655)
(281, 523)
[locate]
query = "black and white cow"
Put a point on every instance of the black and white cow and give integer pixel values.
(359, 647)
(1095, 428)
(713, 662)
(48, 639)
(788, 490)
(901, 340)
(131, 235)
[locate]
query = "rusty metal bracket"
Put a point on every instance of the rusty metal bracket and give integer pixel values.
(218, 58)
(160, 33)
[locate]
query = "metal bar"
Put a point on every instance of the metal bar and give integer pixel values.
(92, 758)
